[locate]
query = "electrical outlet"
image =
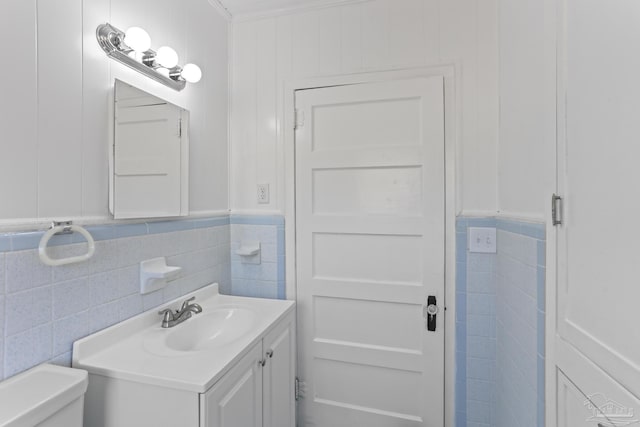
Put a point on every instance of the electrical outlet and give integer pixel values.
(263, 193)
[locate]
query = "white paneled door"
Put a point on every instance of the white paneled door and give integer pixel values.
(370, 195)
(598, 257)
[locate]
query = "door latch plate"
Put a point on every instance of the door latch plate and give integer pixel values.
(430, 313)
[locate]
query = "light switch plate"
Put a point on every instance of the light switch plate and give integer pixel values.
(482, 240)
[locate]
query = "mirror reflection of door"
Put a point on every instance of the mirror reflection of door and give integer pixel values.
(150, 160)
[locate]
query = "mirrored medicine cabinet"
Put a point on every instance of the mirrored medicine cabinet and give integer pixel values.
(149, 161)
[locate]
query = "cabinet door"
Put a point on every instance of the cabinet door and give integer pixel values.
(236, 400)
(597, 254)
(279, 376)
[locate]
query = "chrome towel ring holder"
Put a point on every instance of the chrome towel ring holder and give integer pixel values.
(65, 227)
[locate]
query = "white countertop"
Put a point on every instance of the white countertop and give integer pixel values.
(123, 351)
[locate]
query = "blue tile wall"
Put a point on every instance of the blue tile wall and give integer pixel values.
(475, 329)
(44, 309)
(500, 326)
(520, 302)
(500, 299)
(267, 279)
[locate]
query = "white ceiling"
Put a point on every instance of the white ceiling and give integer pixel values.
(258, 7)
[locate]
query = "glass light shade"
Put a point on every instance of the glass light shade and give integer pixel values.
(167, 57)
(137, 39)
(191, 73)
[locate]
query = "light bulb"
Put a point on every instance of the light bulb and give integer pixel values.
(167, 57)
(163, 71)
(191, 73)
(137, 39)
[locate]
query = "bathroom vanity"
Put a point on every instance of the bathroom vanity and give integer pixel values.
(231, 365)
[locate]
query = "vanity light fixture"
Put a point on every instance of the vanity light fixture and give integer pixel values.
(133, 49)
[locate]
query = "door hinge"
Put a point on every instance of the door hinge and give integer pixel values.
(180, 128)
(296, 388)
(556, 209)
(298, 119)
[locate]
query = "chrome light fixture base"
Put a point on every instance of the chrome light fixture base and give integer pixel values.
(111, 40)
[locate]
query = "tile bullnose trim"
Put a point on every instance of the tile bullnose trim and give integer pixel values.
(529, 227)
(26, 240)
(257, 219)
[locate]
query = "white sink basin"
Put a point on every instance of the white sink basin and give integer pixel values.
(190, 356)
(213, 328)
(216, 328)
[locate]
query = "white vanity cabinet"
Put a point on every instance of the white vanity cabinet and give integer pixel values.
(203, 373)
(259, 390)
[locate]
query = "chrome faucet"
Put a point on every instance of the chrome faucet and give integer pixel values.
(188, 309)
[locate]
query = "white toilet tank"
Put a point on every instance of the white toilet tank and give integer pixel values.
(44, 396)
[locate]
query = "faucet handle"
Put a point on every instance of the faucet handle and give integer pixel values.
(167, 313)
(185, 304)
(168, 317)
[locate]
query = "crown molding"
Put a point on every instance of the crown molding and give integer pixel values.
(219, 7)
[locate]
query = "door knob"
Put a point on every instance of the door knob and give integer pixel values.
(430, 313)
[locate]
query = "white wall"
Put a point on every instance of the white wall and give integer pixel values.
(526, 165)
(54, 112)
(365, 36)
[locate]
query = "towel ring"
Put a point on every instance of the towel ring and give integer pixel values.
(66, 228)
